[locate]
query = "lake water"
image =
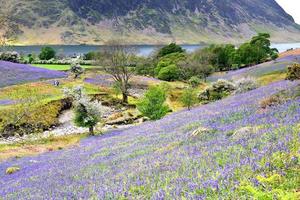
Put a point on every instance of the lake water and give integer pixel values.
(285, 46)
(143, 50)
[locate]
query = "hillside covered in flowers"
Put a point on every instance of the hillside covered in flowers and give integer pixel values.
(231, 149)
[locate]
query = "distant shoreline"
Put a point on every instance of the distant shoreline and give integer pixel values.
(143, 50)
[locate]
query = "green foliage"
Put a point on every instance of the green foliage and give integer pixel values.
(222, 57)
(170, 59)
(30, 58)
(169, 73)
(116, 89)
(280, 181)
(92, 55)
(274, 54)
(47, 53)
(196, 64)
(167, 67)
(194, 81)
(87, 113)
(227, 57)
(293, 72)
(189, 98)
(25, 117)
(256, 51)
(12, 170)
(77, 70)
(153, 104)
(146, 67)
(60, 67)
(217, 91)
(169, 49)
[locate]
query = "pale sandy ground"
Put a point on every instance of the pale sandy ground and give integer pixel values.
(290, 53)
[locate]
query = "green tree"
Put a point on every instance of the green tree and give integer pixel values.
(170, 59)
(153, 104)
(256, 51)
(171, 48)
(90, 55)
(76, 69)
(47, 53)
(189, 98)
(221, 56)
(169, 73)
(146, 66)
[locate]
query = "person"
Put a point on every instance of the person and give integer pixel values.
(56, 83)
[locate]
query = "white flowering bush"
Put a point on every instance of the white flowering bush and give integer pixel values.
(75, 93)
(87, 113)
(10, 56)
(245, 84)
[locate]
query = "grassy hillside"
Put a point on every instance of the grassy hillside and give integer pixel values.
(240, 151)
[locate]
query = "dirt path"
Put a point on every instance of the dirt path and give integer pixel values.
(66, 126)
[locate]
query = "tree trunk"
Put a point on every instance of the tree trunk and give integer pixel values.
(125, 98)
(91, 130)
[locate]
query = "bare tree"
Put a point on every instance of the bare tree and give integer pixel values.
(118, 60)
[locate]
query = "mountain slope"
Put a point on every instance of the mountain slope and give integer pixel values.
(145, 21)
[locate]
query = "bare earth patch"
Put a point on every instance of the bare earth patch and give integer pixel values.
(294, 52)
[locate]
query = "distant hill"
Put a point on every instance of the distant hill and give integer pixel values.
(146, 21)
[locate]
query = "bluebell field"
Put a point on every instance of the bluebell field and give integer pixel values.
(248, 153)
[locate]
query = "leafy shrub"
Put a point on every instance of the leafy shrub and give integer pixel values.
(153, 104)
(169, 73)
(47, 53)
(218, 90)
(194, 81)
(245, 84)
(90, 55)
(10, 56)
(170, 59)
(12, 170)
(146, 67)
(293, 72)
(76, 69)
(189, 98)
(171, 48)
(30, 58)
